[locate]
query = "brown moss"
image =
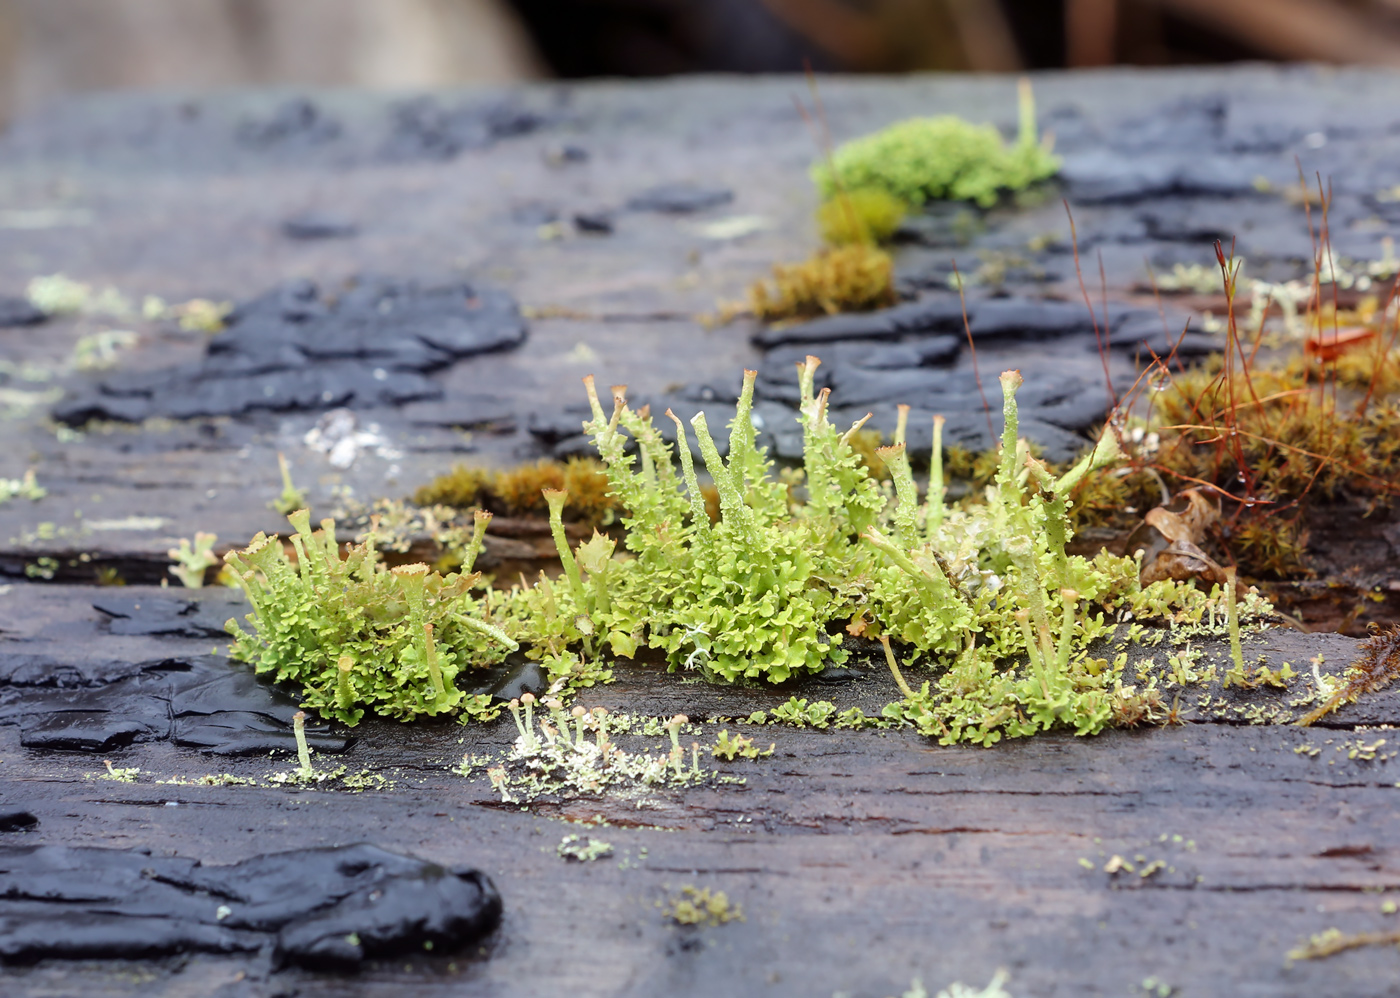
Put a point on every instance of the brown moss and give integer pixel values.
(1102, 498)
(711, 496)
(1269, 546)
(865, 443)
(519, 491)
(460, 488)
(587, 484)
(850, 278)
(1298, 438)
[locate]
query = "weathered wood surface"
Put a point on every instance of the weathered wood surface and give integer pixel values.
(167, 196)
(861, 859)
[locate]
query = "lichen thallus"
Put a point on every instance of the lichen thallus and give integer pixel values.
(987, 595)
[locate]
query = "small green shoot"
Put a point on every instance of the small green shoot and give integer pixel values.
(193, 560)
(303, 749)
(27, 487)
(742, 745)
(291, 498)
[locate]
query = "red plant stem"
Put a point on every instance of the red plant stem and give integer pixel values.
(976, 374)
(1079, 272)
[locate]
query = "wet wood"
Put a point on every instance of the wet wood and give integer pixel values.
(862, 860)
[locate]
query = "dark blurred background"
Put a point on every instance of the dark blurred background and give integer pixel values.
(49, 48)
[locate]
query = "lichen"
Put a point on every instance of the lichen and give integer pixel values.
(583, 848)
(193, 560)
(701, 906)
(1377, 668)
(27, 487)
(354, 634)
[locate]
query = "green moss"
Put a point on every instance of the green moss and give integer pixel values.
(925, 159)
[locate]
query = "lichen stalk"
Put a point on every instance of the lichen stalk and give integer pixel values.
(894, 668)
(344, 694)
(556, 499)
(934, 517)
(699, 517)
(731, 500)
(303, 749)
(905, 520)
(481, 519)
(1071, 604)
(1023, 621)
(1233, 618)
(430, 658)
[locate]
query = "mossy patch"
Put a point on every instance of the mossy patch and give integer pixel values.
(865, 215)
(853, 278)
(519, 491)
(945, 157)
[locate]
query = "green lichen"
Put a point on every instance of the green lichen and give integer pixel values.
(747, 597)
(945, 157)
(701, 906)
(27, 487)
(583, 848)
(801, 713)
(741, 745)
(354, 634)
(291, 497)
(991, 628)
(193, 560)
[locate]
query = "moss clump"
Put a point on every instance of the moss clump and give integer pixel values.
(853, 278)
(460, 488)
(1272, 547)
(1280, 434)
(865, 215)
(945, 157)
(520, 491)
